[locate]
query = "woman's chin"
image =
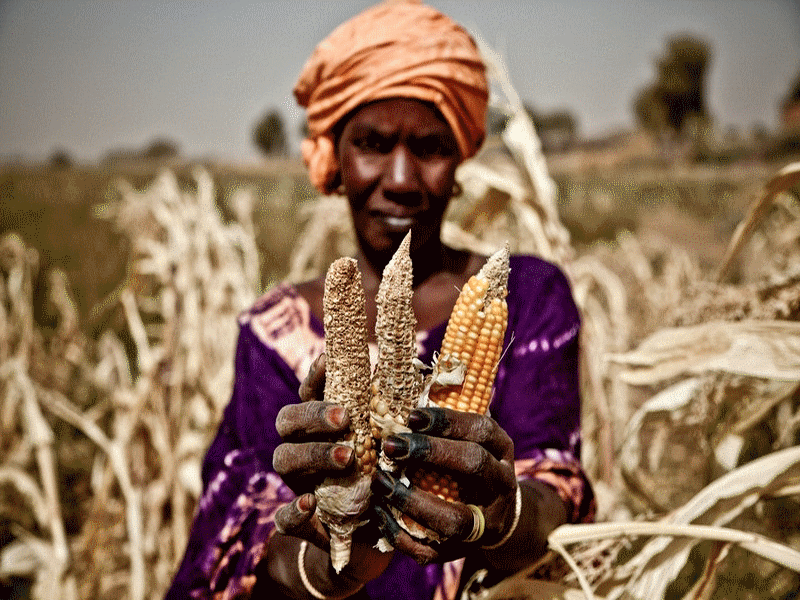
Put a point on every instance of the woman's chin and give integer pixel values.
(385, 237)
(390, 232)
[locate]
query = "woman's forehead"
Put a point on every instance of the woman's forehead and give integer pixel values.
(392, 114)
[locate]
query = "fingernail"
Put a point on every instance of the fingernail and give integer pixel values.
(419, 420)
(336, 415)
(383, 484)
(395, 447)
(304, 502)
(342, 455)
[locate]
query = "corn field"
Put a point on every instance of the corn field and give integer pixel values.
(691, 387)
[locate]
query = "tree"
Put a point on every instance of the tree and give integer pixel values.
(790, 107)
(496, 121)
(677, 97)
(161, 149)
(303, 129)
(794, 92)
(60, 159)
(269, 135)
(557, 130)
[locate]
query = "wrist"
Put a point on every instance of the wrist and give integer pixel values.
(541, 511)
(318, 577)
(517, 512)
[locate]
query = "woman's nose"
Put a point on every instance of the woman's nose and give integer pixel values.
(401, 176)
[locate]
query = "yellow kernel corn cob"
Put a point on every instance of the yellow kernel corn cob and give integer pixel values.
(341, 501)
(396, 382)
(473, 339)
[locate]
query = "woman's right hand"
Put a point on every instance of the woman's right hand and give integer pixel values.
(308, 455)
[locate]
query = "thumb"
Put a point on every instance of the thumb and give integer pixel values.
(298, 519)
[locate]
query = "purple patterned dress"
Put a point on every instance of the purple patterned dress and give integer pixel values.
(536, 401)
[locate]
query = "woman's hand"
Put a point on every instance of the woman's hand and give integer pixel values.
(478, 454)
(308, 455)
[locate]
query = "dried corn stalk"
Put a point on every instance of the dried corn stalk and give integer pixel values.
(519, 136)
(341, 501)
(327, 234)
(765, 349)
(779, 182)
(629, 571)
(145, 422)
(43, 553)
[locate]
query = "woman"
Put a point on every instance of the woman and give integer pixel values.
(396, 99)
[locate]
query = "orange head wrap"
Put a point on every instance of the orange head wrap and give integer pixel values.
(395, 49)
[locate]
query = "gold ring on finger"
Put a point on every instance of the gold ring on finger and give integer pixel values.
(478, 524)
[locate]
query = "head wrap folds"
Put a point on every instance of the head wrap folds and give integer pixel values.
(397, 49)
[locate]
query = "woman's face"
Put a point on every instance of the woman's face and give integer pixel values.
(398, 159)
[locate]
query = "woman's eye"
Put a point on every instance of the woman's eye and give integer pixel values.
(431, 147)
(373, 143)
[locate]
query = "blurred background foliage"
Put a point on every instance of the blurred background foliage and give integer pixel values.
(675, 181)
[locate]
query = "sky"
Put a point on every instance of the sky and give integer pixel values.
(91, 76)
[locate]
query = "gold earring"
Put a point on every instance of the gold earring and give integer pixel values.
(341, 190)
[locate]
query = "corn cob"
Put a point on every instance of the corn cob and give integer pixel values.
(472, 344)
(341, 501)
(396, 382)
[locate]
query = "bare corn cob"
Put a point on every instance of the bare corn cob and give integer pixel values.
(341, 501)
(396, 382)
(474, 341)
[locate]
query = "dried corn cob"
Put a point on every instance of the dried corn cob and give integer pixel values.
(396, 382)
(341, 501)
(472, 344)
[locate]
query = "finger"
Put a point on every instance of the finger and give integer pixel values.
(453, 522)
(484, 474)
(401, 540)
(296, 422)
(450, 520)
(387, 524)
(459, 425)
(313, 385)
(311, 461)
(298, 519)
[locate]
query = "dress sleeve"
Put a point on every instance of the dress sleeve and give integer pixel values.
(537, 397)
(235, 515)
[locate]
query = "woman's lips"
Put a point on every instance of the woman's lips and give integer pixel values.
(398, 222)
(395, 223)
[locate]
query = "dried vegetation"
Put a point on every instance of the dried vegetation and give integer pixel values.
(690, 380)
(102, 441)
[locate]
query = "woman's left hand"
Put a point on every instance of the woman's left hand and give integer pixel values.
(478, 455)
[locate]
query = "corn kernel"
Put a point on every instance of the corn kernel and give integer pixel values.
(475, 335)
